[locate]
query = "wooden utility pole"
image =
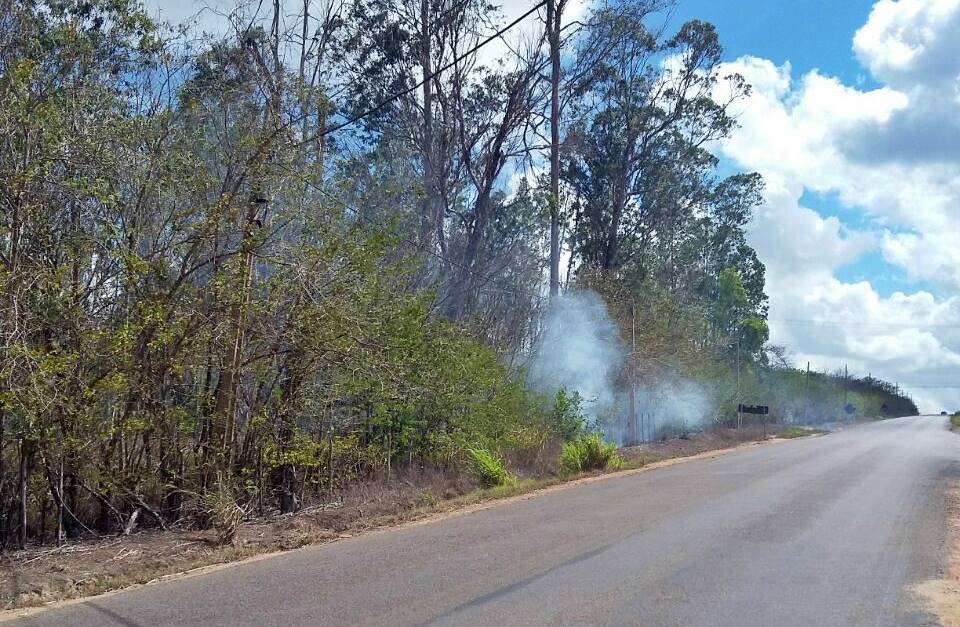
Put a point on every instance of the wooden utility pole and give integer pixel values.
(3, 475)
(846, 385)
(633, 374)
(61, 536)
(429, 210)
(739, 415)
(24, 470)
(227, 389)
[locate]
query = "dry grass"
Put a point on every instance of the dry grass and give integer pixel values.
(42, 575)
(943, 595)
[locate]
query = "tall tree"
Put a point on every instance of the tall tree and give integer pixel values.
(554, 21)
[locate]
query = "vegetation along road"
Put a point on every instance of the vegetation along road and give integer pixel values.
(833, 530)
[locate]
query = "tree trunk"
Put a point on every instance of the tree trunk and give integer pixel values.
(554, 12)
(428, 211)
(610, 261)
(24, 476)
(227, 391)
(465, 277)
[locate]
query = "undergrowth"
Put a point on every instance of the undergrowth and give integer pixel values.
(489, 469)
(589, 452)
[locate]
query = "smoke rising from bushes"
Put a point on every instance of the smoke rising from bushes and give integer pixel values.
(580, 350)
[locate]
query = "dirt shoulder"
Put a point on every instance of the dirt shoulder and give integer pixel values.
(943, 595)
(43, 575)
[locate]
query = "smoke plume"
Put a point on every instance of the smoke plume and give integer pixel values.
(580, 350)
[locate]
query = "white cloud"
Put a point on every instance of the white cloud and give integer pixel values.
(888, 154)
(909, 42)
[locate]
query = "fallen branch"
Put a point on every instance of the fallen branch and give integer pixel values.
(148, 509)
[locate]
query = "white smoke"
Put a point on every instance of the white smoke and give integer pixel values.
(667, 408)
(580, 351)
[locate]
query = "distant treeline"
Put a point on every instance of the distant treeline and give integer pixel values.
(798, 397)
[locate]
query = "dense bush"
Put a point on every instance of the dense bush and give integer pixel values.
(488, 468)
(588, 452)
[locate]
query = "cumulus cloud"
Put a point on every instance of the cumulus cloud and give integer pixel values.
(892, 156)
(910, 43)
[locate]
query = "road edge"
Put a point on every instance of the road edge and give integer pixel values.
(430, 518)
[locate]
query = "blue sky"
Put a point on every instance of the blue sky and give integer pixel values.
(853, 122)
(807, 33)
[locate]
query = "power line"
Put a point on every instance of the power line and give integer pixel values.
(391, 99)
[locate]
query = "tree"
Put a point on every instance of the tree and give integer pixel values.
(554, 21)
(641, 170)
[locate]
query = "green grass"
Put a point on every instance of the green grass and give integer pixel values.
(589, 452)
(489, 469)
(955, 420)
(799, 432)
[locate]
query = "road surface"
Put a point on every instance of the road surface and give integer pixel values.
(826, 531)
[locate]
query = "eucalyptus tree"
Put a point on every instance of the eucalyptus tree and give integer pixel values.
(642, 168)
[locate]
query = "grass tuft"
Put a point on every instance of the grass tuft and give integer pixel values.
(489, 469)
(589, 452)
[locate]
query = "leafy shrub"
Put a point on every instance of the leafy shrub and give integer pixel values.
(566, 416)
(488, 468)
(588, 452)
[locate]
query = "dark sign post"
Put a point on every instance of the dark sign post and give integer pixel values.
(760, 410)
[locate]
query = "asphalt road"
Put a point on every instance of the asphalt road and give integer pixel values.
(824, 531)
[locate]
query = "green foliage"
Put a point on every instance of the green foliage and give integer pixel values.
(588, 452)
(488, 468)
(199, 292)
(566, 417)
(754, 333)
(955, 420)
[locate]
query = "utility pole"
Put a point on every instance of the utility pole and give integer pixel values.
(633, 372)
(227, 390)
(429, 211)
(846, 378)
(739, 415)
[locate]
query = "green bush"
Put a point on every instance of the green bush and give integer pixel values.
(488, 468)
(955, 420)
(566, 417)
(588, 452)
